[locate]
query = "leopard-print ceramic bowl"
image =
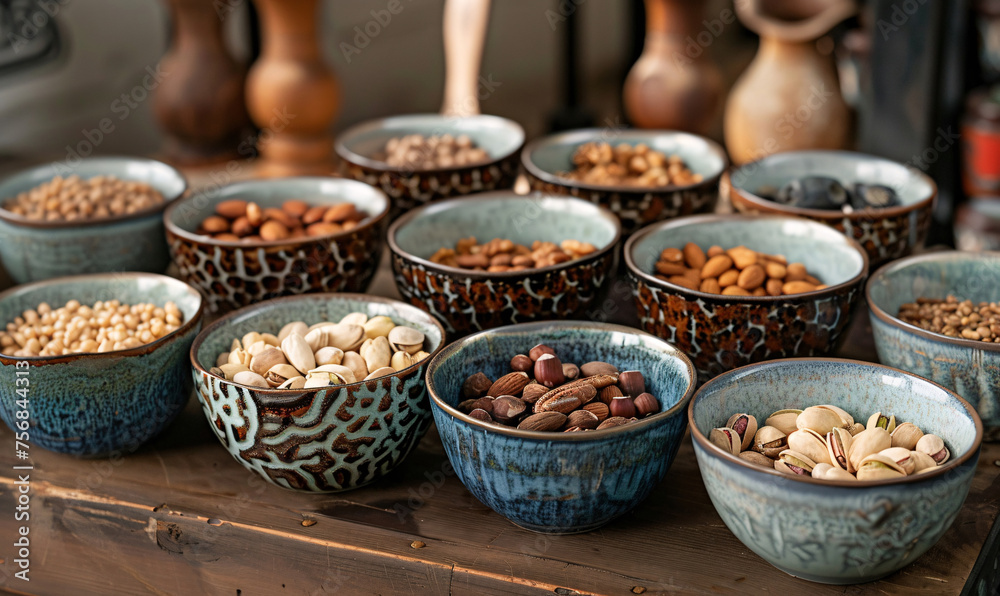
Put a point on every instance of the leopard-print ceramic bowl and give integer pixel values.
(886, 234)
(546, 160)
(466, 301)
(409, 188)
(719, 332)
(237, 274)
(316, 440)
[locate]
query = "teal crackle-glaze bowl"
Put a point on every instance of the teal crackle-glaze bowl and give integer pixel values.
(95, 404)
(34, 250)
(970, 368)
(466, 301)
(316, 440)
(835, 532)
(553, 482)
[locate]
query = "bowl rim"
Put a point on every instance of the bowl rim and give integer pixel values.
(435, 206)
(889, 319)
(593, 435)
(352, 157)
(954, 462)
(726, 187)
(191, 237)
(22, 221)
(138, 351)
(585, 135)
(651, 280)
(274, 396)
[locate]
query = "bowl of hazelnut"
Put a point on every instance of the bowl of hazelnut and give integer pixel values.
(101, 214)
(731, 290)
(423, 157)
(501, 258)
(561, 426)
(643, 176)
(262, 239)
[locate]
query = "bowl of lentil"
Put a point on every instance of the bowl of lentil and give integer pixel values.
(102, 214)
(938, 316)
(501, 258)
(103, 358)
(643, 176)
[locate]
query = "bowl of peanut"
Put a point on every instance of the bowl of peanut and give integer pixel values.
(262, 239)
(501, 258)
(102, 214)
(643, 176)
(732, 290)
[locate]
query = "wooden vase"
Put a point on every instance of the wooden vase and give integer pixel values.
(789, 97)
(674, 84)
(464, 28)
(199, 102)
(291, 94)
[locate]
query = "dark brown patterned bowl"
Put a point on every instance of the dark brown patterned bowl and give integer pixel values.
(408, 188)
(719, 332)
(466, 301)
(886, 234)
(546, 160)
(237, 274)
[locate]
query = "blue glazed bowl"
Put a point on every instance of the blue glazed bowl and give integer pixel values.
(970, 368)
(467, 301)
(35, 250)
(316, 440)
(561, 483)
(96, 404)
(835, 532)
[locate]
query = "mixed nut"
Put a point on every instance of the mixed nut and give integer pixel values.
(738, 271)
(950, 317)
(80, 329)
(499, 255)
(541, 393)
(626, 165)
(74, 198)
(825, 442)
(326, 354)
(236, 220)
(822, 192)
(436, 151)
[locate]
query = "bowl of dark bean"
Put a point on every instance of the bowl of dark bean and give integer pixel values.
(938, 316)
(100, 215)
(422, 157)
(882, 204)
(560, 426)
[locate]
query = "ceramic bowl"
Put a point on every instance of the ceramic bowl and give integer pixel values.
(555, 482)
(316, 440)
(720, 333)
(835, 532)
(970, 368)
(96, 404)
(237, 274)
(886, 234)
(35, 250)
(468, 301)
(546, 160)
(500, 137)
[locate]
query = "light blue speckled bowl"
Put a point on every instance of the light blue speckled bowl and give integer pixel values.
(835, 532)
(970, 368)
(95, 404)
(33, 250)
(553, 482)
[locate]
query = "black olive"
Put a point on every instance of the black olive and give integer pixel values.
(813, 192)
(873, 196)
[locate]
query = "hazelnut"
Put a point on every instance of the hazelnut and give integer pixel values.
(549, 371)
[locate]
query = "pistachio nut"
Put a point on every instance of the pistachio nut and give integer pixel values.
(346, 337)
(270, 339)
(248, 377)
(783, 420)
(401, 360)
(846, 420)
(329, 355)
(378, 354)
(757, 458)
(343, 374)
(236, 345)
(810, 444)
(881, 421)
(222, 359)
(745, 426)
(240, 356)
(726, 439)
(354, 318)
(820, 470)
(901, 456)
(838, 444)
(250, 339)
(833, 473)
(770, 441)
(320, 380)
(792, 462)
(821, 420)
(257, 347)
(215, 370)
(381, 372)
(922, 461)
(933, 446)
(267, 359)
(298, 327)
(294, 383)
(356, 363)
(279, 373)
(376, 326)
(318, 338)
(298, 353)
(906, 436)
(857, 429)
(229, 369)
(406, 339)
(879, 467)
(422, 355)
(868, 442)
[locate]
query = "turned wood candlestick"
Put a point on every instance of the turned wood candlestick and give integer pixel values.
(291, 94)
(465, 24)
(200, 104)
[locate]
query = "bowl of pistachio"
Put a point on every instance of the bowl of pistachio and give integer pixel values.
(317, 393)
(834, 471)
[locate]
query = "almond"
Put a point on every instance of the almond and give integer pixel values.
(714, 251)
(323, 229)
(813, 280)
(773, 287)
(232, 208)
(599, 409)
(716, 266)
(242, 227)
(711, 285)
(215, 224)
(340, 213)
(509, 384)
(273, 230)
(280, 216)
(583, 419)
(742, 257)
(295, 208)
(759, 291)
(670, 268)
(780, 259)
(735, 291)
(694, 256)
(673, 255)
(796, 272)
(752, 277)
(683, 281)
(775, 270)
(314, 215)
(254, 214)
(797, 287)
(729, 278)
(543, 421)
